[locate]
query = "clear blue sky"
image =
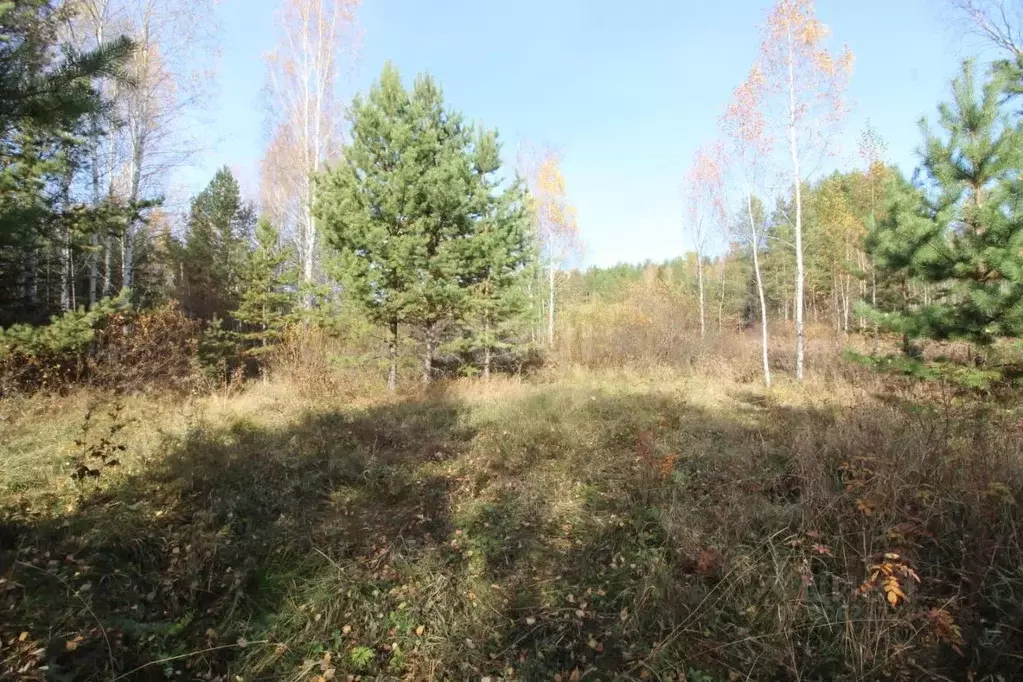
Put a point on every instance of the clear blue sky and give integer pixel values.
(626, 91)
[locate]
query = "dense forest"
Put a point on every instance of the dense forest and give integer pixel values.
(382, 421)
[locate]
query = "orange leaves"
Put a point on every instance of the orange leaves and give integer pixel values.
(645, 452)
(945, 629)
(667, 465)
(796, 62)
(890, 574)
(745, 125)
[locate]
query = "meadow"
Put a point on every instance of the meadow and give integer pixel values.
(643, 521)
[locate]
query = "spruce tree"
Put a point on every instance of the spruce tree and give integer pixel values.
(268, 290)
(962, 232)
(398, 209)
(219, 226)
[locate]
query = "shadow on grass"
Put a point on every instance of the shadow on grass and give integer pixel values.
(606, 536)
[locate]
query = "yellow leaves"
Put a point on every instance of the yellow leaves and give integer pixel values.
(892, 573)
(556, 221)
(892, 590)
(864, 507)
(549, 179)
(327, 670)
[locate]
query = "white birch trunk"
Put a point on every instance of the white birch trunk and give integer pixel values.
(760, 289)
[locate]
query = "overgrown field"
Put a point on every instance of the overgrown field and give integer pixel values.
(584, 526)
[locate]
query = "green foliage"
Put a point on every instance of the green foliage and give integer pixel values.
(109, 345)
(499, 253)
(35, 87)
(268, 296)
(361, 657)
(959, 236)
(219, 353)
(963, 232)
(213, 256)
(68, 336)
(414, 213)
(48, 96)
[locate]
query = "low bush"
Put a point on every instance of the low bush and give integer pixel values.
(109, 346)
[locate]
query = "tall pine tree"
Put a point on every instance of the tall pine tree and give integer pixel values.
(211, 260)
(399, 209)
(500, 249)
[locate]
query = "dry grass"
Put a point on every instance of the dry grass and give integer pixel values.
(671, 522)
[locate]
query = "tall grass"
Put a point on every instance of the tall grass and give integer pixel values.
(662, 518)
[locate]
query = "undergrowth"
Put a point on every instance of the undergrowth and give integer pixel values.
(590, 526)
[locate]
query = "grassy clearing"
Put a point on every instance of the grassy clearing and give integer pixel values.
(588, 526)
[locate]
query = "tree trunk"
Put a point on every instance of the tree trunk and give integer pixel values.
(32, 280)
(392, 372)
(139, 148)
(428, 355)
(94, 237)
(108, 283)
(873, 303)
(760, 289)
(846, 294)
(836, 295)
(93, 269)
(550, 307)
(699, 277)
(67, 277)
(797, 182)
(721, 296)
(127, 255)
(487, 351)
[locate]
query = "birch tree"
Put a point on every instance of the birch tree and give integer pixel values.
(704, 211)
(749, 145)
(317, 41)
(808, 82)
(169, 79)
(557, 230)
(91, 26)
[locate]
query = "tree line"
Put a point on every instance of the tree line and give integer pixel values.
(411, 225)
(424, 232)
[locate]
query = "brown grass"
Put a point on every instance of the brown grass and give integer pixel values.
(641, 520)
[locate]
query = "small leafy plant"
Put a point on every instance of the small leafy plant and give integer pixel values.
(96, 455)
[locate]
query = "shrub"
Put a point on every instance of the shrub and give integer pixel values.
(109, 346)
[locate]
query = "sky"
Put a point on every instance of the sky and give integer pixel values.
(624, 91)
